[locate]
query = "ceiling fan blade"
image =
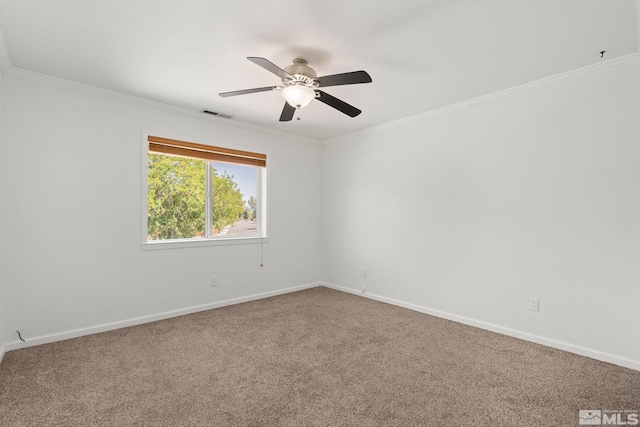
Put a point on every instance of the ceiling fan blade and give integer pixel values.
(351, 78)
(287, 113)
(338, 104)
(270, 66)
(245, 91)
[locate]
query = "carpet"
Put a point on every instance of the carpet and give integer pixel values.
(317, 357)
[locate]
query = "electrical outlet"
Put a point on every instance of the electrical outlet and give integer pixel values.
(534, 304)
(214, 281)
(363, 272)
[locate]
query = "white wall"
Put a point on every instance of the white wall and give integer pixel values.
(71, 162)
(470, 211)
(465, 213)
(3, 302)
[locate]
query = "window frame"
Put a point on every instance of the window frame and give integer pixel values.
(217, 240)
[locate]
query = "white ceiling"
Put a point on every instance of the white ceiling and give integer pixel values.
(421, 54)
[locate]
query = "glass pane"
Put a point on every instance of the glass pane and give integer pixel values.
(176, 197)
(234, 188)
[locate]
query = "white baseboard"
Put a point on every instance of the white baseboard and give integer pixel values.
(583, 351)
(75, 333)
(549, 342)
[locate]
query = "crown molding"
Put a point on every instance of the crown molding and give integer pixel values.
(7, 69)
(5, 58)
(579, 73)
(45, 79)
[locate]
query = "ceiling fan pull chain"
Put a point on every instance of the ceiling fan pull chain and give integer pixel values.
(298, 112)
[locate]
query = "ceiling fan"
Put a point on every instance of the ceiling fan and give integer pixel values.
(300, 85)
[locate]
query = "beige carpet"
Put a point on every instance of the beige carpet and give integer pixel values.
(316, 357)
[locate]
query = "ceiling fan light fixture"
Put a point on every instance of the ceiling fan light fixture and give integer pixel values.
(298, 96)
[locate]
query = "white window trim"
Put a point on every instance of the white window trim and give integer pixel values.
(261, 206)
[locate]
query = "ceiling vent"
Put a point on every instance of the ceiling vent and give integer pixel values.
(213, 113)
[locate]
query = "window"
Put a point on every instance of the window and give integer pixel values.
(202, 193)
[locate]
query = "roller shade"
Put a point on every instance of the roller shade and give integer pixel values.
(194, 150)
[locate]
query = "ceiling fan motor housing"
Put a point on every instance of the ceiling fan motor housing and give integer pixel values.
(301, 72)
